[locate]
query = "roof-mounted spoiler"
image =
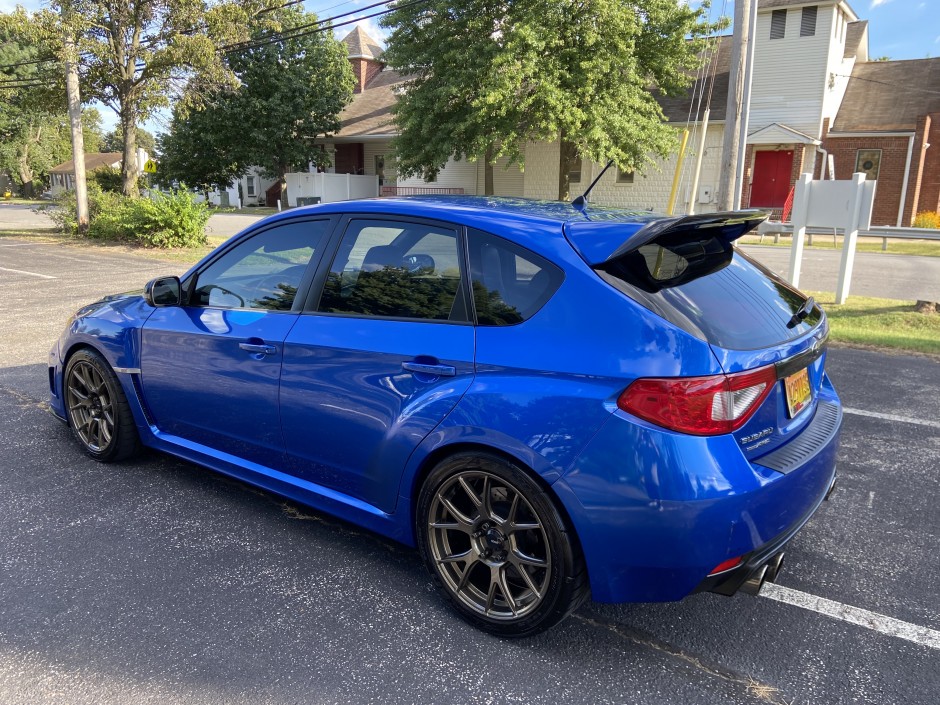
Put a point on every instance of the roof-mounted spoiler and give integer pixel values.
(665, 252)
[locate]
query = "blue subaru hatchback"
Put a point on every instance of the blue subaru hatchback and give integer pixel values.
(549, 401)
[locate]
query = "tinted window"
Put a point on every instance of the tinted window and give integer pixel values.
(262, 272)
(510, 283)
(737, 304)
(393, 269)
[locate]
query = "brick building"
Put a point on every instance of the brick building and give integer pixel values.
(887, 122)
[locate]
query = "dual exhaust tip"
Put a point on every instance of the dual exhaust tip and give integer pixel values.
(765, 573)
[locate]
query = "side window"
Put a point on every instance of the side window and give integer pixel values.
(510, 283)
(392, 269)
(263, 272)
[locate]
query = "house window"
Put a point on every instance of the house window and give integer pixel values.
(250, 185)
(380, 168)
(808, 22)
(574, 174)
(778, 24)
(868, 162)
(624, 177)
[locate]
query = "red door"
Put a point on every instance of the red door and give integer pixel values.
(771, 182)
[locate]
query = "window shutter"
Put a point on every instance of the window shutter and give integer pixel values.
(808, 22)
(778, 24)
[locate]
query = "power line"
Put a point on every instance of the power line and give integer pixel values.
(294, 32)
(25, 63)
(887, 83)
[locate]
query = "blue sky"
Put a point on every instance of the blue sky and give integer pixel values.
(900, 29)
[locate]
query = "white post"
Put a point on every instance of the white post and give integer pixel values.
(850, 240)
(348, 187)
(800, 211)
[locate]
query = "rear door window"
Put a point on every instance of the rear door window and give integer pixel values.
(510, 283)
(396, 269)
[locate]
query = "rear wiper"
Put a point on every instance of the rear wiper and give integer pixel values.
(802, 312)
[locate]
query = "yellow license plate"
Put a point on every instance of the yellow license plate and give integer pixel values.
(798, 390)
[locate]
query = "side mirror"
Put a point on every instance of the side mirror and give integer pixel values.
(163, 291)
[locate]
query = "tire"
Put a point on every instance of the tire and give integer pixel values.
(497, 546)
(98, 412)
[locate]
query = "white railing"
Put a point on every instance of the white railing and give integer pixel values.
(883, 231)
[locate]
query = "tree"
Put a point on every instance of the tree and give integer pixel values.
(488, 76)
(34, 133)
(291, 94)
(137, 55)
(114, 141)
(203, 147)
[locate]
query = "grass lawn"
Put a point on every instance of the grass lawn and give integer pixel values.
(253, 210)
(25, 201)
(882, 323)
(928, 248)
(184, 255)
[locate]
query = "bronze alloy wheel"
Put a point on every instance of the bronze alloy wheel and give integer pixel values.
(489, 545)
(98, 412)
(91, 409)
(498, 547)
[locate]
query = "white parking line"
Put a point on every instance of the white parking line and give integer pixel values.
(891, 417)
(31, 274)
(853, 615)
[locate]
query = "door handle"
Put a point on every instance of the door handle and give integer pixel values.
(258, 348)
(435, 370)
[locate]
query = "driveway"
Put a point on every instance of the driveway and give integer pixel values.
(156, 581)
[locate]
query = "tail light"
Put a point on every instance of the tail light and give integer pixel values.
(702, 406)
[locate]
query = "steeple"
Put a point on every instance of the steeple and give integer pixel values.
(364, 55)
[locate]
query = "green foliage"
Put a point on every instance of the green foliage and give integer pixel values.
(34, 130)
(114, 141)
(489, 76)
(175, 219)
(108, 178)
(927, 219)
(291, 92)
(173, 40)
(204, 148)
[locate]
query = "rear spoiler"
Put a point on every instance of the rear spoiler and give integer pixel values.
(602, 242)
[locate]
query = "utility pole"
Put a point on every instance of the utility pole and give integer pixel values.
(731, 144)
(75, 121)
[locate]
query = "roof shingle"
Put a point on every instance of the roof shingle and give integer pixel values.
(93, 160)
(889, 96)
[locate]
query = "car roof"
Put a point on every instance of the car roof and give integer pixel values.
(477, 210)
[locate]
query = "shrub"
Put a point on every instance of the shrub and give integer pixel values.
(175, 219)
(108, 178)
(168, 220)
(927, 219)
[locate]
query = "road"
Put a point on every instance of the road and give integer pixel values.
(876, 274)
(157, 581)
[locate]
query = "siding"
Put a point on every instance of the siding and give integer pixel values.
(462, 174)
(506, 181)
(790, 74)
(838, 68)
(370, 150)
(650, 188)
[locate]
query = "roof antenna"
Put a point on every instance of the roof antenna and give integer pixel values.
(581, 201)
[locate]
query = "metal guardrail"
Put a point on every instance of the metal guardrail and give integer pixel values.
(885, 232)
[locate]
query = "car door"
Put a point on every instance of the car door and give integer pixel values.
(210, 368)
(380, 359)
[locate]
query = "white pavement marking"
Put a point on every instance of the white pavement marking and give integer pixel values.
(31, 274)
(891, 417)
(853, 615)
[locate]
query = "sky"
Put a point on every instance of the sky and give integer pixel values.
(898, 29)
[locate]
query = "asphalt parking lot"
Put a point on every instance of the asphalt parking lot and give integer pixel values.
(157, 581)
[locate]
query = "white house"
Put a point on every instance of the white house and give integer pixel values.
(63, 175)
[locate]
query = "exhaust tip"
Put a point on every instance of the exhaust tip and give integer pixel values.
(773, 567)
(752, 585)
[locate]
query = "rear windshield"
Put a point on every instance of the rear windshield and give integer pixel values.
(737, 305)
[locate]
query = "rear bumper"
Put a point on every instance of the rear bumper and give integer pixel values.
(656, 511)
